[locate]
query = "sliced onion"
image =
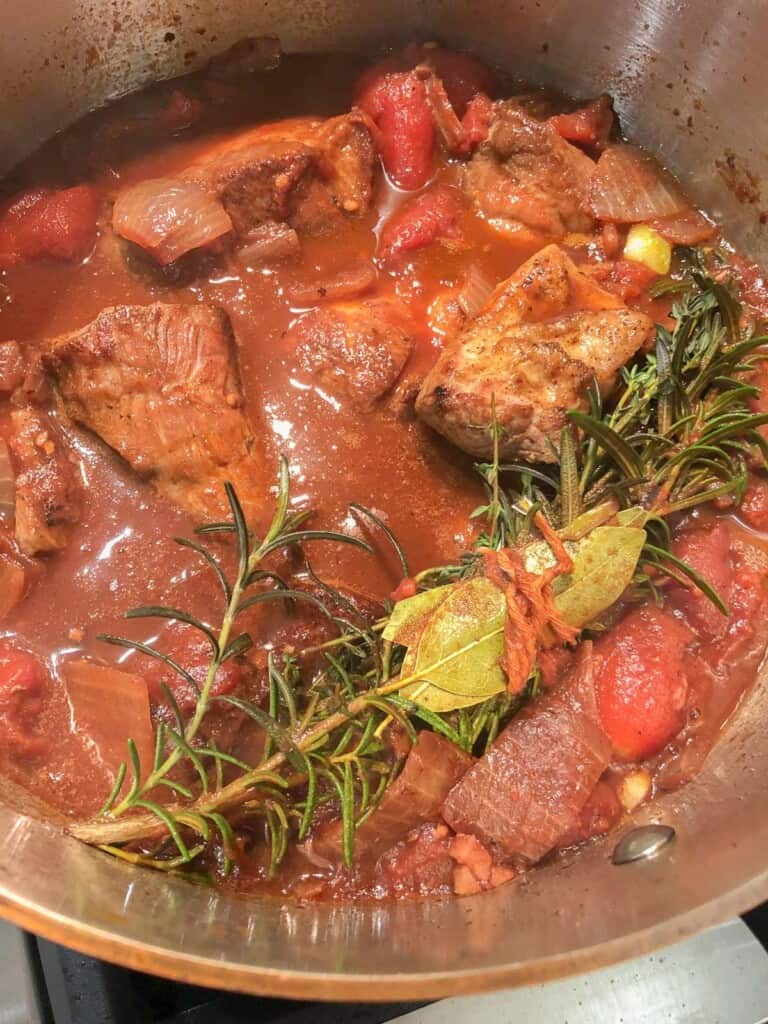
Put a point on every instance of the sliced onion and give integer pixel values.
(107, 704)
(169, 217)
(475, 291)
(690, 227)
(356, 279)
(7, 483)
(628, 186)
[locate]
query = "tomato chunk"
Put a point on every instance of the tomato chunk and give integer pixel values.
(707, 550)
(22, 691)
(41, 224)
(193, 653)
(397, 104)
(420, 222)
(590, 125)
(407, 587)
(642, 685)
(754, 507)
(630, 279)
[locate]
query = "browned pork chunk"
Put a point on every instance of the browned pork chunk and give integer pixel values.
(160, 385)
(528, 791)
(354, 349)
(433, 766)
(12, 367)
(305, 173)
(47, 490)
(545, 334)
(526, 179)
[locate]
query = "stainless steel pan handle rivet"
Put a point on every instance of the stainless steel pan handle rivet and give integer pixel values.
(641, 843)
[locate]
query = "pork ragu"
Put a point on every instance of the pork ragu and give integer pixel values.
(382, 493)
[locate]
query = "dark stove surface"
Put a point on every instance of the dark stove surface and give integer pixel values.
(75, 989)
(81, 990)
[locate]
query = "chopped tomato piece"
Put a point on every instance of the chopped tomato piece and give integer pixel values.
(193, 653)
(754, 507)
(642, 685)
(397, 104)
(707, 550)
(630, 279)
(747, 599)
(418, 223)
(590, 125)
(407, 587)
(463, 76)
(22, 688)
(53, 225)
(752, 284)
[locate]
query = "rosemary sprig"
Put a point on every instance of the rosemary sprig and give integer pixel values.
(679, 434)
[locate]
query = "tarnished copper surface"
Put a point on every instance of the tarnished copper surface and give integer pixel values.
(688, 78)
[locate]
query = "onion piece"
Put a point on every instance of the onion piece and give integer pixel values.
(690, 227)
(7, 484)
(475, 291)
(628, 186)
(169, 217)
(13, 583)
(106, 705)
(356, 279)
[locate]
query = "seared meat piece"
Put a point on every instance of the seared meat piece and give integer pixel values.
(12, 369)
(527, 178)
(433, 766)
(302, 171)
(357, 349)
(545, 333)
(269, 243)
(306, 173)
(160, 385)
(529, 790)
(47, 491)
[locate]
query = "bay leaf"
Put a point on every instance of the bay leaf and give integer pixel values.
(603, 568)
(588, 521)
(634, 516)
(463, 641)
(406, 623)
(437, 700)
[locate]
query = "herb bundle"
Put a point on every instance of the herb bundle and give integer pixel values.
(679, 433)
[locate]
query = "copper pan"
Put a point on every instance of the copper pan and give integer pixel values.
(689, 81)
